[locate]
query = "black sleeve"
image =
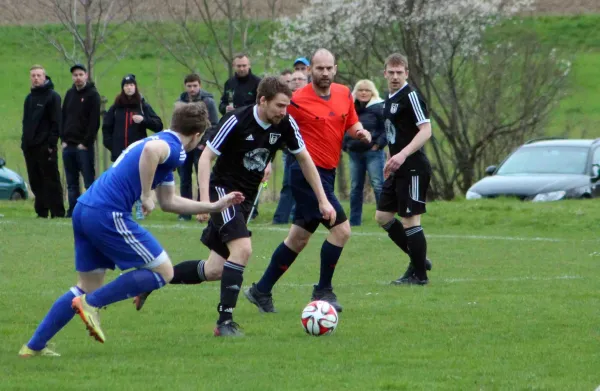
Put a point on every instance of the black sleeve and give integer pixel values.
(292, 137)
(419, 108)
(63, 121)
(108, 128)
(55, 120)
(151, 120)
(25, 113)
(218, 140)
(224, 99)
(93, 121)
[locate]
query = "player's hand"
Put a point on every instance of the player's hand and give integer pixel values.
(202, 217)
(267, 173)
(394, 163)
(137, 118)
(233, 198)
(364, 136)
(147, 205)
(328, 212)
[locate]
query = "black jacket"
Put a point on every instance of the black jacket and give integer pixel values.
(81, 116)
(41, 117)
(240, 90)
(371, 118)
(213, 115)
(119, 131)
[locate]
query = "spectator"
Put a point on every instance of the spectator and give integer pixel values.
(127, 121)
(299, 80)
(366, 157)
(80, 124)
(240, 90)
(286, 77)
(41, 123)
(195, 93)
(301, 64)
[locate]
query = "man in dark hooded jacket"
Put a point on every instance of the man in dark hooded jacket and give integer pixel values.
(195, 93)
(41, 123)
(80, 124)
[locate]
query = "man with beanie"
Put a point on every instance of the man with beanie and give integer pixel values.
(80, 124)
(41, 122)
(240, 90)
(195, 93)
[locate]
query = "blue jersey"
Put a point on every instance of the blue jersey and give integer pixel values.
(119, 187)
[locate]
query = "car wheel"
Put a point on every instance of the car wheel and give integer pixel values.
(16, 196)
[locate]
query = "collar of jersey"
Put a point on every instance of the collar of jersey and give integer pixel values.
(395, 93)
(262, 124)
(172, 132)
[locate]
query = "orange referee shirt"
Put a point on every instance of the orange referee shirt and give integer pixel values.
(323, 121)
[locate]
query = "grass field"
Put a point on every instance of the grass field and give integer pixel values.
(512, 305)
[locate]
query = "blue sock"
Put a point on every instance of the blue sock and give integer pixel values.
(330, 254)
(281, 260)
(59, 315)
(126, 285)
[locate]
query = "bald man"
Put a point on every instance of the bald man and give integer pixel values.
(332, 106)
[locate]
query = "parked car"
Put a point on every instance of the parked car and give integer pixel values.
(544, 170)
(12, 185)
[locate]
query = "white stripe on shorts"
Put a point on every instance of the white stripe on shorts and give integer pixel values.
(130, 239)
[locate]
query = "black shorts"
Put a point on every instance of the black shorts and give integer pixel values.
(308, 215)
(227, 225)
(405, 193)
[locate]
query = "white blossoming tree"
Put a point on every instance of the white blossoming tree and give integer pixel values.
(486, 93)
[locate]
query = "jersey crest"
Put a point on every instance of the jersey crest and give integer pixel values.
(273, 137)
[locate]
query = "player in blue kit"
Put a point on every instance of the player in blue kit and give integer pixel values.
(106, 235)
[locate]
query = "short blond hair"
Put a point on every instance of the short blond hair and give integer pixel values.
(37, 66)
(396, 59)
(370, 85)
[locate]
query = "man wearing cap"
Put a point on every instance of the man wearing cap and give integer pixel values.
(301, 65)
(79, 127)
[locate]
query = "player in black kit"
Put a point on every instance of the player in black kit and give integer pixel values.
(244, 147)
(408, 171)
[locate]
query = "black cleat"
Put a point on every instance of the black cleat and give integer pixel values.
(326, 294)
(412, 280)
(140, 299)
(228, 329)
(410, 270)
(264, 301)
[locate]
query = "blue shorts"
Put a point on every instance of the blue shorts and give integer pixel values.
(106, 239)
(308, 215)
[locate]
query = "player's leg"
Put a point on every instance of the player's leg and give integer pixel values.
(284, 255)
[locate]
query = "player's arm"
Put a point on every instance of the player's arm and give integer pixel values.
(357, 131)
(314, 180)
(419, 140)
(154, 153)
(170, 202)
(204, 168)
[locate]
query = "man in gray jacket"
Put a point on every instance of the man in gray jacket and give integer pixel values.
(194, 93)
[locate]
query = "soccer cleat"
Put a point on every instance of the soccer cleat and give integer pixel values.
(412, 280)
(264, 301)
(410, 270)
(90, 316)
(326, 294)
(25, 352)
(228, 329)
(140, 299)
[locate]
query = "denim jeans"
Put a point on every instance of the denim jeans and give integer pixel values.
(361, 163)
(185, 176)
(285, 208)
(78, 161)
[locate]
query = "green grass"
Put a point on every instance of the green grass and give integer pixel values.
(512, 305)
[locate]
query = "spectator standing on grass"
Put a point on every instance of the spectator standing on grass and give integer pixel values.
(80, 124)
(41, 123)
(127, 122)
(366, 157)
(194, 93)
(239, 90)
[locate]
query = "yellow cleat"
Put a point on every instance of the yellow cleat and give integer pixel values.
(26, 352)
(90, 316)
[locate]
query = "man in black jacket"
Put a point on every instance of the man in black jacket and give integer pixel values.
(195, 93)
(240, 90)
(80, 124)
(41, 123)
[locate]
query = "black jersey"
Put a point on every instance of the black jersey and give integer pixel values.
(245, 146)
(404, 111)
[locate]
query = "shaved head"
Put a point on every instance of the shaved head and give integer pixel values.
(322, 54)
(322, 70)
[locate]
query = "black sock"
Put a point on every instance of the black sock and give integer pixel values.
(281, 260)
(417, 244)
(396, 232)
(189, 272)
(231, 283)
(330, 254)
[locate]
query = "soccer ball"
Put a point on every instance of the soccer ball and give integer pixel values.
(319, 318)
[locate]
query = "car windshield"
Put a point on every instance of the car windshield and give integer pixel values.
(546, 160)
